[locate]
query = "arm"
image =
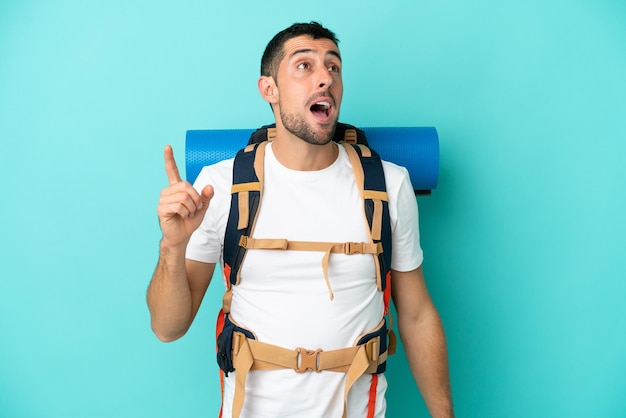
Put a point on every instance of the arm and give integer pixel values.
(175, 293)
(178, 285)
(423, 339)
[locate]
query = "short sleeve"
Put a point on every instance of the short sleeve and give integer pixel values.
(206, 242)
(407, 252)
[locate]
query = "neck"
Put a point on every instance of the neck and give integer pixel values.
(296, 154)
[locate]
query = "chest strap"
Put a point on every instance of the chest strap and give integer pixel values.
(347, 248)
(249, 354)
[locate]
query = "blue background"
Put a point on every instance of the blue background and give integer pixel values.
(524, 237)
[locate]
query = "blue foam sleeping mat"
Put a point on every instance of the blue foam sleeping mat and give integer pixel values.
(416, 148)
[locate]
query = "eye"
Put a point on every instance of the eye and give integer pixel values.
(334, 68)
(303, 66)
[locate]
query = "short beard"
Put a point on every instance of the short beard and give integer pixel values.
(296, 125)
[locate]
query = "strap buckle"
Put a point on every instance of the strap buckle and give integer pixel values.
(372, 349)
(308, 360)
(353, 248)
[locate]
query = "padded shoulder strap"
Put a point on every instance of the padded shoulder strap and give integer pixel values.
(370, 179)
(245, 201)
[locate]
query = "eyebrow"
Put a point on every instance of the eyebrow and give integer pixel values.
(307, 50)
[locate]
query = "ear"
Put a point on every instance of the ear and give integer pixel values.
(267, 88)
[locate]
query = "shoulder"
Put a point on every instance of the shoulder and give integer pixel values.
(218, 175)
(215, 174)
(394, 172)
(396, 178)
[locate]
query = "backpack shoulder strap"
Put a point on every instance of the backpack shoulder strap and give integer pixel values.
(370, 179)
(246, 193)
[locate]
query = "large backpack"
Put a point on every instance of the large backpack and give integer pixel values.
(246, 198)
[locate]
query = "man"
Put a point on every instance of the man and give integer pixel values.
(284, 297)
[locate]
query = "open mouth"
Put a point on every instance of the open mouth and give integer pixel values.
(321, 108)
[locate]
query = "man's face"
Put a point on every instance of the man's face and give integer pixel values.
(310, 89)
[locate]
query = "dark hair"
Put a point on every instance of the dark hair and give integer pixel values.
(274, 52)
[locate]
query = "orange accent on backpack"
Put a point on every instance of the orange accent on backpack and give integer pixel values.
(371, 403)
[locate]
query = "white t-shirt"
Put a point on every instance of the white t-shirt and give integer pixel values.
(282, 296)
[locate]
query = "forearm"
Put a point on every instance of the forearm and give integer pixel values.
(169, 295)
(425, 346)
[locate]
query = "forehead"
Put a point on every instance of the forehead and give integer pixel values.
(307, 45)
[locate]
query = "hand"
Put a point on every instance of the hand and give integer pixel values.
(181, 208)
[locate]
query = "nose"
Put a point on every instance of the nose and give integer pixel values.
(325, 79)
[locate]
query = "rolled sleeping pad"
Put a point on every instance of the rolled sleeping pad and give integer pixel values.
(416, 148)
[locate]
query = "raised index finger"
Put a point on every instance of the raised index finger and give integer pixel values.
(170, 166)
